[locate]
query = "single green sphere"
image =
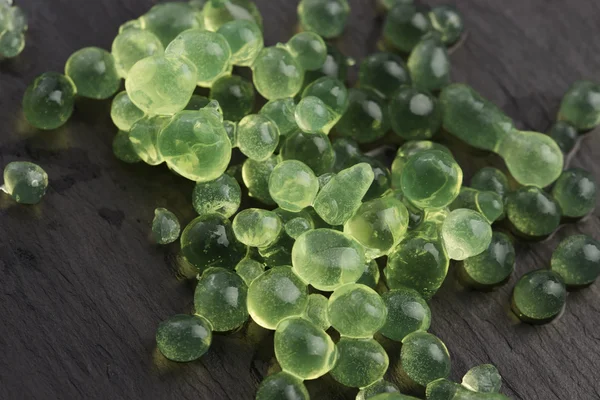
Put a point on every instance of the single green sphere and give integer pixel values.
(492, 267)
(25, 182)
(144, 138)
(429, 63)
(303, 349)
(489, 204)
(366, 119)
(314, 150)
(276, 295)
(564, 134)
(165, 226)
(360, 363)
(404, 27)
(405, 152)
(282, 112)
(323, 104)
(93, 72)
(539, 296)
(328, 18)
(577, 260)
(184, 338)
(380, 387)
(257, 228)
(483, 378)
(235, 96)
(575, 192)
(123, 148)
(581, 106)
(424, 358)
(356, 311)
(133, 45)
(316, 311)
(492, 179)
(49, 101)
(221, 196)
(295, 223)
(219, 12)
(245, 40)
(257, 136)
(370, 276)
(414, 114)
(208, 241)
(384, 73)
(309, 49)
(407, 312)
(532, 212)
(168, 20)
(12, 43)
(161, 85)
(282, 386)
(124, 113)
(431, 179)
(293, 185)
(249, 269)
(448, 22)
(465, 233)
(277, 74)
(255, 175)
(220, 297)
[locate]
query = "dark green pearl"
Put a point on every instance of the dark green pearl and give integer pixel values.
(577, 260)
(491, 179)
(184, 338)
(366, 118)
(581, 106)
(282, 386)
(405, 26)
(235, 96)
(539, 296)
(414, 114)
(48, 102)
(383, 72)
(492, 267)
(575, 192)
(314, 150)
(564, 134)
(532, 212)
(448, 22)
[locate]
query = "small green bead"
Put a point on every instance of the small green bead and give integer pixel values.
(377, 388)
(577, 260)
(133, 45)
(257, 136)
(220, 297)
(404, 27)
(256, 175)
(564, 134)
(295, 223)
(221, 196)
(257, 228)
(144, 138)
(447, 21)
(276, 295)
(424, 358)
(309, 49)
(336, 66)
(575, 192)
(281, 112)
(489, 204)
(360, 363)
(208, 241)
(235, 95)
(356, 311)
(581, 106)
(405, 152)
(483, 378)
(197, 102)
(429, 64)
(168, 20)
(165, 226)
(314, 150)
(12, 43)
(539, 296)
(384, 73)
(282, 386)
(123, 148)
(370, 276)
(93, 72)
(491, 179)
(124, 113)
(465, 233)
(245, 39)
(25, 182)
(277, 74)
(492, 267)
(414, 114)
(303, 349)
(327, 259)
(407, 312)
(316, 311)
(366, 118)
(442, 389)
(48, 102)
(328, 18)
(293, 185)
(184, 338)
(532, 212)
(249, 269)
(219, 12)
(323, 104)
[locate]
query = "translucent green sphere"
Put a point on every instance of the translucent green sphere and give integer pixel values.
(168, 20)
(293, 185)
(577, 260)
(282, 386)
(404, 27)
(219, 12)
(581, 106)
(184, 338)
(539, 296)
(281, 112)
(123, 148)
(165, 226)
(309, 49)
(448, 22)
(277, 74)
(93, 72)
(256, 175)
(257, 228)
(144, 138)
(296, 223)
(492, 179)
(314, 150)
(532, 212)
(575, 192)
(492, 267)
(384, 73)
(414, 114)
(465, 233)
(245, 39)
(360, 363)
(356, 311)
(407, 312)
(376, 388)
(25, 182)
(366, 118)
(424, 358)
(249, 269)
(221, 196)
(564, 134)
(257, 136)
(429, 63)
(316, 311)
(326, 17)
(48, 102)
(133, 45)
(323, 104)
(407, 150)
(123, 112)
(12, 43)
(235, 96)
(483, 378)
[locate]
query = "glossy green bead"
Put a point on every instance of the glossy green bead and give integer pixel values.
(144, 138)
(303, 349)
(257, 136)
(366, 118)
(245, 39)
(323, 104)
(328, 18)
(316, 311)
(448, 22)
(257, 228)
(277, 74)
(564, 134)
(414, 114)
(249, 269)
(377, 388)
(577, 260)
(465, 233)
(123, 112)
(281, 112)
(282, 386)
(384, 73)
(49, 101)
(483, 378)
(356, 311)
(93, 72)
(336, 66)
(293, 185)
(581, 106)
(407, 312)
(539, 296)
(424, 358)
(492, 267)
(256, 175)
(184, 338)
(133, 45)
(295, 223)
(370, 276)
(208, 241)
(489, 204)
(168, 20)
(165, 226)
(360, 363)
(327, 259)
(12, 43)
(407, 150)
(219, 12)
(161, 85)
(25, 182)
(532, 212)
(123, 148)
(221, 196)
(575, 192)
(235, 96)
(491, 179)
(442, 389)
(429, 64)
(309, 49)
(404, 27)
(220, 297)
(314, 150)
(276, 295)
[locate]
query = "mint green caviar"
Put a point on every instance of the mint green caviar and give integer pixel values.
(144, 138)
(429, 64)
(323, 104)
(293, 185)
(245, 40)
(249, 269)
(219, 12)
(581, 106)
(93, 72)
(309, 49)
(123, 148)
(281, 112)
(539, 296)
(276, 295)
(407, 150)
(491, 179)
(356, 311)
(184, 338)
(384, 73)
(257, 228)
(235, 96)
(25, 182)
(168, 20)
(483, 378)
(404, 27)
(575, 192)
(49, 101)
(314, 150)
(316, 311)
(133, 45)
(366, 118)
(165, 226)
(277, 74)
(370, 276)
(327, 259)
(123, 112)
(489, 204)
(255, 175)
(303, 349)
(577, 260)
(532, 212)
(377, 388)
(295, 223)
(407, 312)
(257, 137)
(326, 17)
(424, 358)
(491, 268)
(448, 22)
(360, 363)
(282, 386)
(465, 233)
(221, 196)
(414, 114)
(161, 85)
(564, 134)
(220, 297)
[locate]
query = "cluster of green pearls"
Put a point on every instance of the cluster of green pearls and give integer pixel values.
(13, 26)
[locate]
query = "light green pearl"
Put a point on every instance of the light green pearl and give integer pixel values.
(328, 18)
(366, 118)
(356, 311)
(282, 386)
(448, 22)
(492, 267)
(123, 112)
(575, 192)
(424, 358)
(360, 363)
(309, 49)
(281, 112)
(93, 72)
(316, 311)
(384, 73)
(407, 312)
(49, 101)
(581, 106)
(577, 260)
(255, 175)
(257, 228)
(407, 150)
(133, 45)
(483, 378)
(249, 269)
(429, 64)
(314, 150)
(12, 43)
(235, 96)
(165, 226)
(377, 388)
(245, 39)
(221, 196)
(465, 233)
(404, 26)
(293, 185)
(277, 74)
(257, 137)
(219, 12)
(184, 338)
(25, 182)
(539, 296)
(144, 138)
(123, 148)
(532, 212)
(313, 116)
(295, 223)
(414, 114)
(492, 179)
(168, 20)
(323, 104)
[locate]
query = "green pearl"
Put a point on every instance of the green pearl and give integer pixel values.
(360, 363)
(448, 22)
(316, 311)
(12, 43)
(575, 192)
(165, 226)
(581, 106)
(429, 64)
(539, 296)
(184, 338)
(48, 102)
(483, 378)
(281, 112)
(366, 118)
(144, 138)
(245, 39)
(123, 148)
(293, 185)
(328, 18)
(257, 136)
(492, 267)
(336, 66)
(93, 72)
(491, 179)
(384, 73)
(309, 49)
(249, 269)
(277, 74)
(564, 134)
(323, 104)
(577, 260)
(465, 233)
(221, 196)
(379, 387)
(168, 20)
(275, 295)
(407, 312)
(282, 386)
(356, 311)
(404, 26)
(407, 150)
(370, 276)
(424, 358)
(255, 175)
(235, 95)
(219, 12)
(488, 204)
(133, 45)
(347, 152)
(414, 114)
(257, 228)
(124, 113)
(295, 223)
(25, 182)
(314, 150)
(532, 212)
(442, 389)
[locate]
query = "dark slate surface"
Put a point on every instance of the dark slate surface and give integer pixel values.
(82, 289)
